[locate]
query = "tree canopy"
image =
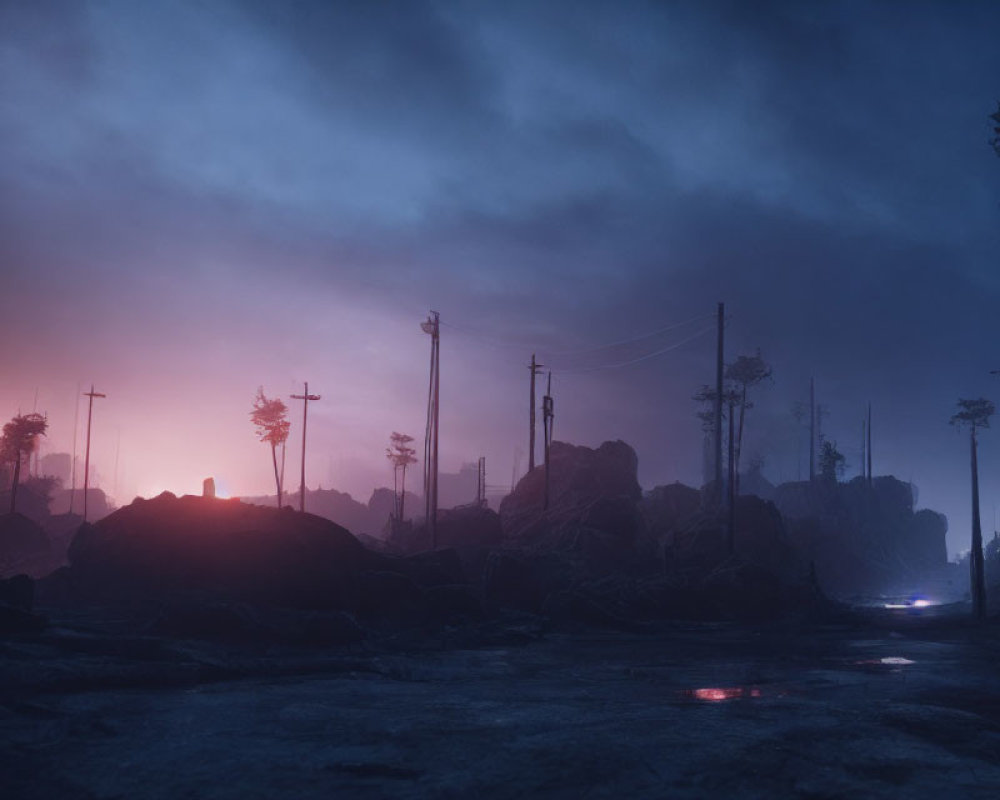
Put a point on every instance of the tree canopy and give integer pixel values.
(270, 418)
(973, 414)
(20, 435)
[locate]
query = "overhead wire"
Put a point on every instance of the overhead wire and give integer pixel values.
(628, 362)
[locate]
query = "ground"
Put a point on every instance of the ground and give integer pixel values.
(507, 710)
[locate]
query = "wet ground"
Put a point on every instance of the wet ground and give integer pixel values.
(684, 711)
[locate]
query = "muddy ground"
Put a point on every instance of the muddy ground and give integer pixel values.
(92, 709)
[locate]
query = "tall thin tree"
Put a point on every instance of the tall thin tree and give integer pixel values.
(401, 455)
(19, 440)
(270, 417)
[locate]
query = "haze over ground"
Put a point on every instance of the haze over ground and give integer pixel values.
(198, 199)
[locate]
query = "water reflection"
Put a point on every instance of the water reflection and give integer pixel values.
(718, 694)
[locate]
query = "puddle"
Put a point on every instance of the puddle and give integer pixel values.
(720, 693)
(892, 663)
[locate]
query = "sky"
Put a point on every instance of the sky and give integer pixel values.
(200, 198)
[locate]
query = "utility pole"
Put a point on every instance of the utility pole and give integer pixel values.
(305, 397)
(548, 417)
(731, 520)
(718, 401)
(864, 448)
(481, 483)
(812, 430)
(869, 442)
(86, 466)
(535, 368)
(432, 326)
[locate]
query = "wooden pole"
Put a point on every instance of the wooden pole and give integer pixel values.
(718, 400)
(548, 414)
(437, 420)
(305, 397)
(433, 327)
(86, 465)
(976, 556)
(535, 368)
(731, 521)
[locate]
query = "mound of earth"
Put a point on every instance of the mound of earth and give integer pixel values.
(182, 545)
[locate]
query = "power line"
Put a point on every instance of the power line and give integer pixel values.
(630, 340)
(496, 342)
(629, 362)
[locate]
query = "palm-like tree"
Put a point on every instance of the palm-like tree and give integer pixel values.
(270, 418)
(401, 455)
(20, 438)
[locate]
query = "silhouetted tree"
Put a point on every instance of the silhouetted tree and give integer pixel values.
(270, 418)
(831, 462)
(975, 414)
(401, 455)
(743, 374)
(20, 437)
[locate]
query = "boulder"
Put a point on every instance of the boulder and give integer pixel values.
(864, 539)
(577, 476)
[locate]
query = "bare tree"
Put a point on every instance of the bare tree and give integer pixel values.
(975, 414)
(20, 438)
(401, 455)
(270, 416)
(743, 374)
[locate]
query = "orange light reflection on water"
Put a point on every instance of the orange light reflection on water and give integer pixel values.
(718, 694)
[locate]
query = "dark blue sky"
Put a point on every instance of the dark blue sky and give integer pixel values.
(200, 197)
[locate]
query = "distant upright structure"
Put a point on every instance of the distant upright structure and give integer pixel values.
(305, 397)
(535, 368)
(208, 487)
(432, 326)
(720, 349)
(86, 465)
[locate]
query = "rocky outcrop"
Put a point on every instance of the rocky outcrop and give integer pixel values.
(864, 539)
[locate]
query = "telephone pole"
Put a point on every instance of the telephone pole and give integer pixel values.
(535, 368)
(548, 418)
(731, 518)
(86, 467)
(432, 326)
(718, 400)
(481, 483)
(305, 397)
